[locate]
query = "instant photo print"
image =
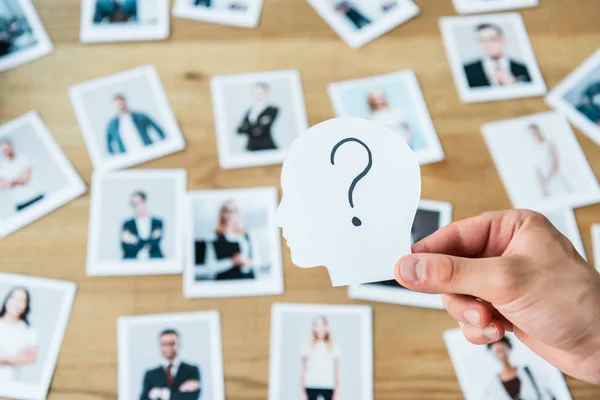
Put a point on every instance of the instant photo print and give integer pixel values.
(477, 6)
(566, 223)
(242, 13)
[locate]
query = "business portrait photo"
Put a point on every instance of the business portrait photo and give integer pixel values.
(126, 118)
(104, 21)
(578, 97)
(564, 220)
(477, 6)
(359, 22)
(396, 101)
(257, 116)
(136, 222)
(541, 163)
(22, 35)
(321, 352)
(235, 248)
(35, 176)
(171, 357)
(431, 216)
(491, 57)
(241, 13)
(503, 370)
(33, 318)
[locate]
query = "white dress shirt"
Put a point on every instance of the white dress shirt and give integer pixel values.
(14, 340)
(490, 66)
(144, 230)
(394, 119)
(320, 365)
(13, 169)
(256, 110)
(174, 366)
(130, 137)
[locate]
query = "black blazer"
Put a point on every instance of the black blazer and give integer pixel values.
(131, 250)
(477, 77)
(259, 132)
(157, 378)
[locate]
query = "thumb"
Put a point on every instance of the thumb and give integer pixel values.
(485, 278)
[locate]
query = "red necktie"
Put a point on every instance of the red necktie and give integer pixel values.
(169, 375)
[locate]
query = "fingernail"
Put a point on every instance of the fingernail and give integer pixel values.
(491, 332)
(411, 269)
(473, 317)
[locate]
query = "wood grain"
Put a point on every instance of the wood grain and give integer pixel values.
(411, 362)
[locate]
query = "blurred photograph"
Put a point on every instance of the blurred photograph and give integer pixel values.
(503, 370)
(171, 357)
(105, 21)
(35, 176)
(321, 352)
(22, 35)
(257, 116)
(565, 221)
(541, 163)
(34, 313)
(235, 245)
(431, 216)
(578, 97)
(136, 223)
(491, 57)
(396, 101)
(477, 6)
(241, 13)
(126, 119)
(359, 22)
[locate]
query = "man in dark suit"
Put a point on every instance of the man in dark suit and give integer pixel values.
(173, 379)
(588, 108)
(495, 68)
(258, 121)
(141, 235)
(115, 11)
(130, 130)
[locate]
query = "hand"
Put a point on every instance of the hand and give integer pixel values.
(5, 184)
(530, 277)
(156, 394)
(129, 238)
(191, 385)
(157, 233)
(504, 77)
(240, 259)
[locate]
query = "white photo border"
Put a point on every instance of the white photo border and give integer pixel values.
(208, 289)
(407, 297)
(250, 19)
(537, 87)
(170, 266)
(363, 311)
(74, 188)
(175, 141)
(555, 98)
(596, 245)
(469, 6)
(40, 391)
(228, 161)
(433, 152)
(405, 11)
(573, 228)
(41, 49)
(213, 320)
(107, 34)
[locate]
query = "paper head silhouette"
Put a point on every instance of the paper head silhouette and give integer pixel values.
(351, 189)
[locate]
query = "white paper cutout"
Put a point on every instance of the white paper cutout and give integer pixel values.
(351, 189)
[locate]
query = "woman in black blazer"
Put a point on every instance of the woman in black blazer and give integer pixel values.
(258, 121)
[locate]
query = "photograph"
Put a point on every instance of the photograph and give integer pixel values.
(106, 21)
(34, 314)
(136, 222)
(359, 22)
(578, 97)
(321, 352)
(126, 119)
(477, 6)
(171, 357)
(22, 35)
(431, 216)
(241, 13)
(35, 176)
(257, 116)
(491, 57)
(397, 102)
(596, 244)
(234, 245)
(564, 220)
(504, 370)
(541, 163)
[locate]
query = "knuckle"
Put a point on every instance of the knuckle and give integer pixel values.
(506, 276)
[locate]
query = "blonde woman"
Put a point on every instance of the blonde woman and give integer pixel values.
(393, 118)
(320, 371)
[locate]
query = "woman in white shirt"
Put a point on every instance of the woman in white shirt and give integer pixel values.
(393, 118)
(320, 371)
(548, 166)
(18, 341)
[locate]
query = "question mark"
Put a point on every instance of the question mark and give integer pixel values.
(355, 221)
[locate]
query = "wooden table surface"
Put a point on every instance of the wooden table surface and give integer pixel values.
(411, 361)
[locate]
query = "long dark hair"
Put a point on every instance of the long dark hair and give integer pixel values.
(25, 314)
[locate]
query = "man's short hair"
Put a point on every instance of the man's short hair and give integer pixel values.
(263, 85)
(169, 331)
(495, 27)
(119, 96)
(139, 193)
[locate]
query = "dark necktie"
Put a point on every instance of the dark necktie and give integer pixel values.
(169, 375)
